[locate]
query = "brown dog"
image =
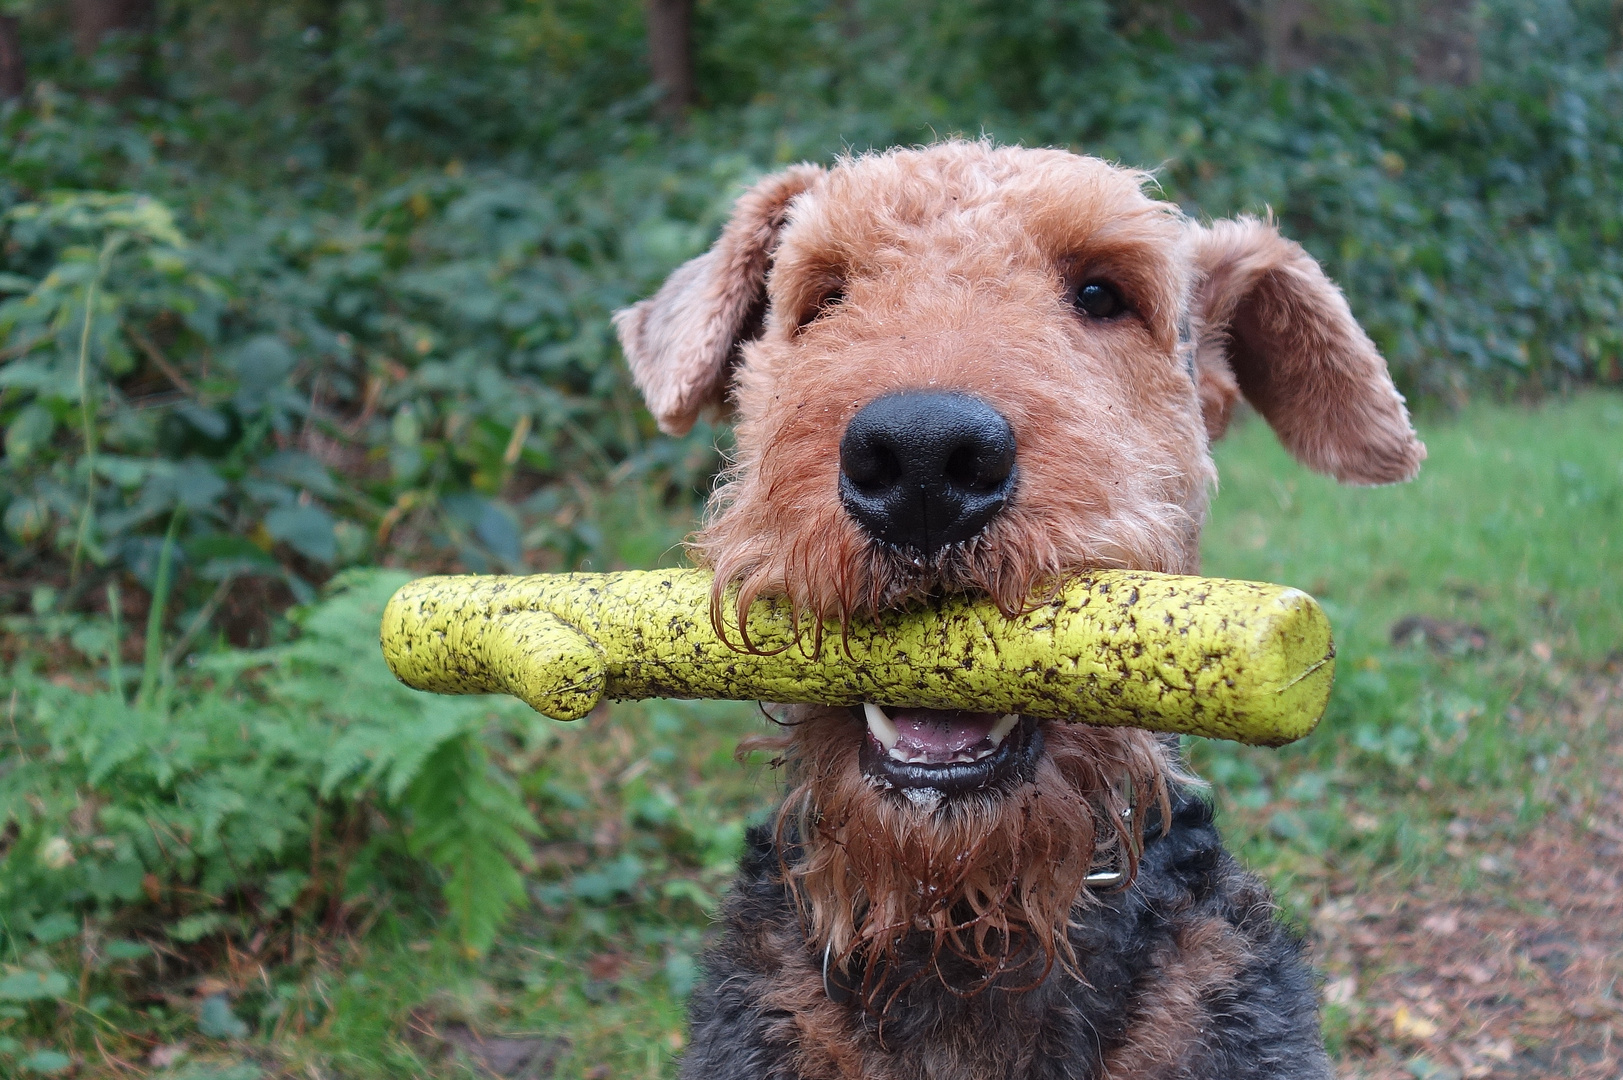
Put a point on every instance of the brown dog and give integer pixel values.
(968, 368)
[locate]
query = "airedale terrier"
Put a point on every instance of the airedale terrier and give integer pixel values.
(972, 368)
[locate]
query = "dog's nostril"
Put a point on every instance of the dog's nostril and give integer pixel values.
(872, 465)
(923, 470)
(980, 467)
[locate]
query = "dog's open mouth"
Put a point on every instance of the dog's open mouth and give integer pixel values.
(948, 750)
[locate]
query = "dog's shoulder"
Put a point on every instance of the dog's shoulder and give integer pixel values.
(761, 1010)
(1220, 984)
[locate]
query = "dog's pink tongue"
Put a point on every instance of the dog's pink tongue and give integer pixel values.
(940, 733)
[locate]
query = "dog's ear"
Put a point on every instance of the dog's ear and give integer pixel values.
(681, 341)
(1270, 325)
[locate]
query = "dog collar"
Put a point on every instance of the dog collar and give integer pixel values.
(835, 987)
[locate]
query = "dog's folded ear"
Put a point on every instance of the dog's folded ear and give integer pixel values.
(680, 342)
(1270, 325)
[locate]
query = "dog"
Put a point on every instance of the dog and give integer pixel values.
(977, 369)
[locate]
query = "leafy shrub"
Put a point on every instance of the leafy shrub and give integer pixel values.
(288, 780)
(375, 328)
(321, 398)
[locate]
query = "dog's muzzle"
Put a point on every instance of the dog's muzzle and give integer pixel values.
(921, 470)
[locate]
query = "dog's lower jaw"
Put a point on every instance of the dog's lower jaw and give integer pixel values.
(985, 752)
(1186, 974)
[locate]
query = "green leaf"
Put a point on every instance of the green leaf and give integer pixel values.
(46, 1061)
(29, 432)
(612, 880)
(33, 986)
(681, 973)
(307, 529)
(196, 927)
(125, 950)
(197, 485)
(263, 364)
(472, 823)
(215, 1020)
(57, 926)
(27, 519)
(300, 471)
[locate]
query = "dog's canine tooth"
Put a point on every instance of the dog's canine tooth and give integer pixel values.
(882, 726)
(1002, 728)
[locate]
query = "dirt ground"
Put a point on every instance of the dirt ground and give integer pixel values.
(1516, 976)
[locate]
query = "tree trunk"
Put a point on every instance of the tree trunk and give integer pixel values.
(1288, 43)
(1447, 49)
(94, 20)
(13, 72)
(670, 53)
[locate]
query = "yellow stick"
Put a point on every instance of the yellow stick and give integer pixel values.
(1203, 656)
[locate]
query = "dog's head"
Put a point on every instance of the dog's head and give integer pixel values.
(968, 368)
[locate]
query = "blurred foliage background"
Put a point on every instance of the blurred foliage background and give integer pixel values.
(292, 290)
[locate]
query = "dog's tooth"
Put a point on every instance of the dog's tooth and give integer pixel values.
(1002, 728)
(882, 726)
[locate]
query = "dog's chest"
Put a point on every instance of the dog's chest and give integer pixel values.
(1185, 974)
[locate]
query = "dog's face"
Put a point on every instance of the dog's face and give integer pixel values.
(975, 369)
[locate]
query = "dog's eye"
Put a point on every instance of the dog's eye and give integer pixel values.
(1098, 300)
(827, 304)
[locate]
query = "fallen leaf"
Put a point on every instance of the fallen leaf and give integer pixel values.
(1442, 923)
(1341, 991)
(605, 967)
(164, 1057)
(1408, 1025)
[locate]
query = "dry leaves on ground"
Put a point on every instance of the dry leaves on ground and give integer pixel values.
(1518, 977)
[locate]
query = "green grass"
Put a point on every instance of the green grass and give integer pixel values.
(1513, 524)
(1510, 528)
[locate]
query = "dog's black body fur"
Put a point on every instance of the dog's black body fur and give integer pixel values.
(1261, 1023)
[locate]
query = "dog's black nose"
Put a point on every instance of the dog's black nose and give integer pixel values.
(922, 470)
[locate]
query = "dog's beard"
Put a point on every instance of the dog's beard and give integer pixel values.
(991, 878)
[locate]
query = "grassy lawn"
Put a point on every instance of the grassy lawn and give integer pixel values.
(1397, 835)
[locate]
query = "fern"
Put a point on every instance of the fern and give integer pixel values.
(218, 789)
(472, 824)
(424, 755)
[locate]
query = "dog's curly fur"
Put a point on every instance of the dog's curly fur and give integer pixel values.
(960, 937)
